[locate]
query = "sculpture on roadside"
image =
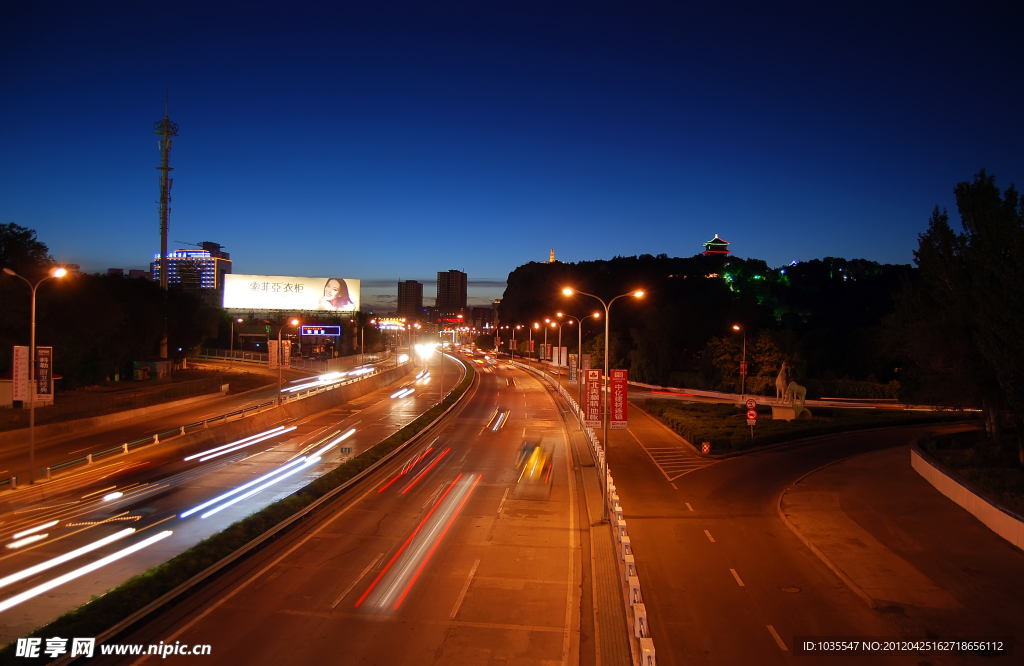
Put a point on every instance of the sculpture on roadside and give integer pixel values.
(781, 382)
(794, 391)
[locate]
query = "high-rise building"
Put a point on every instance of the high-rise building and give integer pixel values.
(410, 299)
(195, 269)
(451, 290)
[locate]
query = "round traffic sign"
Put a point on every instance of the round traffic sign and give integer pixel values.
(751, 413)
(751, 403)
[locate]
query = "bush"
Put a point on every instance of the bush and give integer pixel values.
(848, 388)
(977, 460)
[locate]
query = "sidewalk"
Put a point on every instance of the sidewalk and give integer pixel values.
(906, 549)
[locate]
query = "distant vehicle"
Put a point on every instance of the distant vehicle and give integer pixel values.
(534, 462)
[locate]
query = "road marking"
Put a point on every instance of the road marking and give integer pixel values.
(672, 462)
(502, 502)
(737, 577)
(465, 588)
(710, 538)
(358, 578)
(778, 640)
(689, 507)
(675, 486)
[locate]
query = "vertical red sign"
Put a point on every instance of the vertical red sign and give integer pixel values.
(743, 368)
(618, 399)
(592, 400)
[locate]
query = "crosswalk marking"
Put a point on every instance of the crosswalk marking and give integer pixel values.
(671, 461)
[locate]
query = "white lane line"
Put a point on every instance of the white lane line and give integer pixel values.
(465, 588)
(710, 538)
(689, 507)
(502, 502)
(737, 577)
(778, 640)
(358, 578)
(674, 486)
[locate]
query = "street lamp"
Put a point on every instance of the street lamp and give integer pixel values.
(559, 365)
(280, 357)
(743, 365)
(55, 273)
(362, 330)
(604, 475)
(232, 343)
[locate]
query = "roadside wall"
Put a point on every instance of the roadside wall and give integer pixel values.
(997, 518)
(13, 438)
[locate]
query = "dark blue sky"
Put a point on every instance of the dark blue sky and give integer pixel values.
(385, 140)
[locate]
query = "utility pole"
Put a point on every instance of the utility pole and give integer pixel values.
(165, 129)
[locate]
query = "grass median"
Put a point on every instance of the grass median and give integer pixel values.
(117, 604)
(725, 426)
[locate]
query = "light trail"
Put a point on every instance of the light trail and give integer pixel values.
(18, 535)
(27, 540)
(339, 440)
(242, 446)
(60, 580)
(239, 489)
(246, 439)
(259, 489)
(61, 559)
(421, 474)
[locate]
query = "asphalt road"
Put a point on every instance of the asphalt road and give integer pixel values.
(155, 499)
(443, 556)
(725, 582)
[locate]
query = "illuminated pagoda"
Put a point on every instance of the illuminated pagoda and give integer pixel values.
(716, 246)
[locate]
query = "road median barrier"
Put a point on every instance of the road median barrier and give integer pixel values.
(134, 600)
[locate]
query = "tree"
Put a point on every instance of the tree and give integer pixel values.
(22, 252)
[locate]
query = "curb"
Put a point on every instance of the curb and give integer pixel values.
(814, 549)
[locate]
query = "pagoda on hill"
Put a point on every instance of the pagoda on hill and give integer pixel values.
(716, 246)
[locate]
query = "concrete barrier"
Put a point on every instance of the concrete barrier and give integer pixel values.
(997, 518)
(20, 436)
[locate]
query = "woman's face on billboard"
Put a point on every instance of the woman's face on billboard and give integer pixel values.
(331, 290)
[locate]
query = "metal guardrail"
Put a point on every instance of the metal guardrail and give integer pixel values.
(273, 531)
(296, 362)
(179, 431)
(633, 598)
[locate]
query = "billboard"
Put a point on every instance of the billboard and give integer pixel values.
(592, 400)
(283, 292)
(619, 399)
(19, 374)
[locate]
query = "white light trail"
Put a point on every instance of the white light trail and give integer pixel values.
(259, 489)
(71, 575)
(245, 439)
(239, 489)
(27, 540)
(112, 496)
(61, 559)
(339, 440)
(242, 446)
(18, 535)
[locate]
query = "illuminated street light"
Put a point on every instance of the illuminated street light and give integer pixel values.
(743, 365)
(635, 294)
(232, 343)
(58, 272)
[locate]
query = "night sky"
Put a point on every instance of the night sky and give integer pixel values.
(382, 140)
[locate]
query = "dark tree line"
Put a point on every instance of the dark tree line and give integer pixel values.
(959, 324)
(97, 324)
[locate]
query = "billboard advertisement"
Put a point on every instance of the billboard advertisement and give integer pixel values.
(592, 400)
(283, 292)
(44, 374)
(19, 373)
(619, 399)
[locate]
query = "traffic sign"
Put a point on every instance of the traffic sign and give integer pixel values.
(751, 422)
(751, 414)
(705, 447)
(751, 403)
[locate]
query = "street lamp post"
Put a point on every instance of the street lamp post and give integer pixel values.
(529, 359)
(579, 364)
(559, 366)
(232, 343)
(55, 273)
(362, 339)
(604, 472)
(280, 356)
(743, 365)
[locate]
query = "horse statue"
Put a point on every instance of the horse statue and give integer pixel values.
(781, 382)
(794, 391)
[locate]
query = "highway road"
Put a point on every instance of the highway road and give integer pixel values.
(443, 556)
(153, 499)
(725, 581)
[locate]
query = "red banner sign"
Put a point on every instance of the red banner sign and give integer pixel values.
(618, 399)
(592, 400)
(743, 368)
